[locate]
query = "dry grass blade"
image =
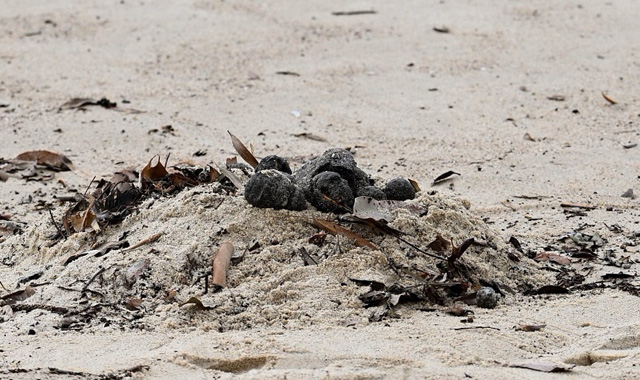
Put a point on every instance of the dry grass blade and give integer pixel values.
(609, 99)
(243, 151)
(335, 229)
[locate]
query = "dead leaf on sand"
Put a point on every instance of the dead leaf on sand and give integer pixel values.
(335, 229)
(242, 150)
(52, 160)
(542, 367)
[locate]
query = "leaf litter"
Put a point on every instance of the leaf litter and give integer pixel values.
(408, 255)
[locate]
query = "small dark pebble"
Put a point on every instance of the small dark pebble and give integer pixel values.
(399, 189)
(332, 185)
(270, 188)
(274, 162)
(487, 298)
(372, 191)
(32, 332)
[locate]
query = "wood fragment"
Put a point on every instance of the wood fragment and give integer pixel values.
(354, 13)
(221, 264)
(310, 136)
(608, 98)
(476, 328)
(148, 240)
(242, 150)
(578, 205)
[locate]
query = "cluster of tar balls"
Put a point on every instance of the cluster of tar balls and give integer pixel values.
(328, 182)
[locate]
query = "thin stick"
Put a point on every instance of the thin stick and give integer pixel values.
(84, 288)
(56, 225)
(144, 241)
(221, 264)
(476, 328)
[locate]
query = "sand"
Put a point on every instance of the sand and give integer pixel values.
(511, 98)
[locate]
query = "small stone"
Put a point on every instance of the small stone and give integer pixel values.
(274, 162)
(270, 188)
(333, 186)
(31, 332)
(399, 189)
(372, 191)
(487, 298)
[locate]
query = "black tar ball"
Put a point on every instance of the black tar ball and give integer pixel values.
(270, 188)
(333, 186)
(274, 162)
(399, 189)
(372, 191)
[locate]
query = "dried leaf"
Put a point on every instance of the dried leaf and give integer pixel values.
(155, 172)
(542, 367)
(552, 257)
(198, 304)
(354, 13)
(619, 275)
(443, 177)
(133, 303)
(415, 184)
(82, 221)
(18, 295)
(76, 103)
(441, 29)
(552, 289)
(608, 98)
(530, 328)
(440, 244)
(557, 98)
(310, 136)
(51, 160)
(578, 205)
(457, 311)
(335, 229)
(232, 177)
(242, 150)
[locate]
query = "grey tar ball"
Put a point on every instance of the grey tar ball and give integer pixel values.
(333, 186)
(372, 191)
(399, 189)
(274, 162)
(270, 188)
(487, 298)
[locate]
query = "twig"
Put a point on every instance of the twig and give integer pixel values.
(476, 328)
(56, 224)
(100, 271)
(145, 241)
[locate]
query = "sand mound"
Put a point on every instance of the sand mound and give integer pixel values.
(269, 283)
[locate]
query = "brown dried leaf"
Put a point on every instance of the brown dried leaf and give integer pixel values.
(440, 244)
(155, 172)
(243, 151)
(53, 161)
(310, 136)
(608, 98)
(81, 221)
(18, 295)
(557, 98)
(133, 303)
(552, 257)
(415, 184)
(198, 304)
(530, 328)
(335, 229)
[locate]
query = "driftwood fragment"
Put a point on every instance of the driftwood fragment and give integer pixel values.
(221, 264)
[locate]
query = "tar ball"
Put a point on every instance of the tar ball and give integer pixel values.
(372, 191)
(332, 186)
(270, 188)
(399, 189)
(487, 298)
(274, 162)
